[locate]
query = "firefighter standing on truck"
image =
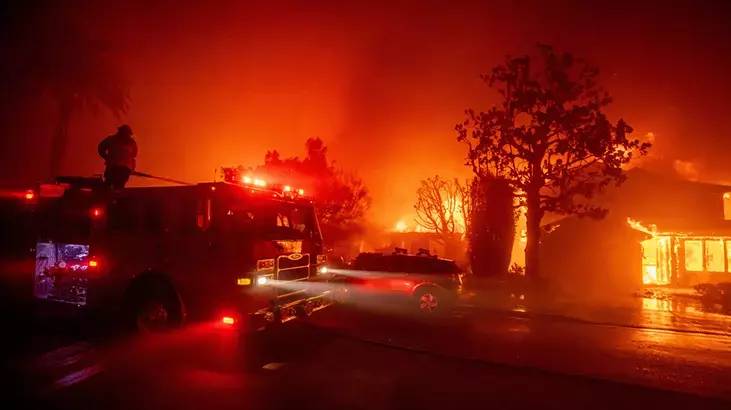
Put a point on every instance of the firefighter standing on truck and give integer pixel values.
(119, 152)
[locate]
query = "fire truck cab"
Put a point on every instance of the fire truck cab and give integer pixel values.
(241, 254)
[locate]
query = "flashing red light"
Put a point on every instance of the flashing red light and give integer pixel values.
(228, 320)
(301, 192)
(96, 212)
(29, 195)
(93, 263)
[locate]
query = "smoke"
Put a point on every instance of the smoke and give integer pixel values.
(219, 84)
(687, 169)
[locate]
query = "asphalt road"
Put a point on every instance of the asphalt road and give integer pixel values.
(360, 358)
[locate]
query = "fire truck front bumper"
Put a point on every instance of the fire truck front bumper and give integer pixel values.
(263, 308)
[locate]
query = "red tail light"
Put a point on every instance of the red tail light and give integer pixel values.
(228, 320)
(96, 212)
(29, 195)
(93, 263)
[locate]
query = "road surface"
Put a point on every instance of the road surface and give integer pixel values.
(355, 358)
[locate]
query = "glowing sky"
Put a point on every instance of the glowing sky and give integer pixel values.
(382, 84)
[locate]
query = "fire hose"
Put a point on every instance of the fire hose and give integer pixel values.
(174, 181)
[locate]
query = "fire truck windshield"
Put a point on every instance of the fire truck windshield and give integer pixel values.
(270, 218)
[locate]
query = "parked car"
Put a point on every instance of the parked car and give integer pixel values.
(423, 282)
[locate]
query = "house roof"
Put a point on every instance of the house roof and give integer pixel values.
(688, 227)
(669, 203)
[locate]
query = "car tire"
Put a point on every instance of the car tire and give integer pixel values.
(430, 300)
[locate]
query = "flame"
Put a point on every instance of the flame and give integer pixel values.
(638, 226)
(649, 275)
(400, 226)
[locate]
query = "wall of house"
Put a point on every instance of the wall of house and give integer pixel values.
(596, 259)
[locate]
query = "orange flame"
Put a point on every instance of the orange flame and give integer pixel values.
(638, 226)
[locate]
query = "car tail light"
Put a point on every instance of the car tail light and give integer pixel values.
(228, 320)
(96, 212)
(29, 195)
(93, 263)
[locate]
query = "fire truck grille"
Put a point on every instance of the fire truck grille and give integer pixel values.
(289, 268)
(294, 274)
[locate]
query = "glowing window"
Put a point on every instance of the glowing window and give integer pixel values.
(694, 255)
(715, 255)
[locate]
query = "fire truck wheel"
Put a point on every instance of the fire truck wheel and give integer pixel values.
(154, 308)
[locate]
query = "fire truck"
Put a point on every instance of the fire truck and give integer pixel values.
(244, 254)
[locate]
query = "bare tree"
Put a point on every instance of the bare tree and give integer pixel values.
(465, 203)
(443, 206)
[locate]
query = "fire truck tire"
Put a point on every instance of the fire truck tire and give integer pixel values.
(152, 305)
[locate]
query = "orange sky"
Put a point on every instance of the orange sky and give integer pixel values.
(383, 85)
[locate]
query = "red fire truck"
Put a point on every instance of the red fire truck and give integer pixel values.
(244, 254)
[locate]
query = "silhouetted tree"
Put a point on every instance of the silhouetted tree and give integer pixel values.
(56, 58)
(549, 138)
(341, 197)
(440, 208)
(492, 227)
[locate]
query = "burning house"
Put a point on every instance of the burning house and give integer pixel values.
(660, 230)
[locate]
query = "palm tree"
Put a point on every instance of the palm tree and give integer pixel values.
(78, 72)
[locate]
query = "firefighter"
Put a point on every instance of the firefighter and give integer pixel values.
(119, 152)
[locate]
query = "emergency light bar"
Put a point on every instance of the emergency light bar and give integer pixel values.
(234, 175)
